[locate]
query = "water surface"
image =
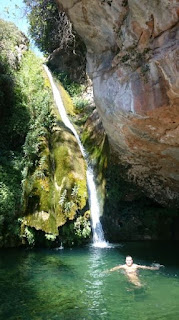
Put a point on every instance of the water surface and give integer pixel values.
(71, 284)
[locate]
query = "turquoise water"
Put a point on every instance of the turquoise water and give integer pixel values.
(71, 285)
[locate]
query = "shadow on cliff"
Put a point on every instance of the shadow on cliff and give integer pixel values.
(129, 215)
(163, 252)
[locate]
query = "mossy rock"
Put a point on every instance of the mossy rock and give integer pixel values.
(67, 101)
(64, 167)
(96, 143)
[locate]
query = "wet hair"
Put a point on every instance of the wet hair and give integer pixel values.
(129, 257)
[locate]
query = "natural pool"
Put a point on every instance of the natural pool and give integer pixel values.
(71, 285)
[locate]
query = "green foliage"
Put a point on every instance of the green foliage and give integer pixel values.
(73, 88)
(77, 232)
(68, 207)
(67, 202)
(14, 121)
(30, 236)
(49, 28)
(7, 203)
(39, 103)
(9, 227)
(63, 198)
(36, 147)
(80, 104)
(74, 192)
(10, 196)
(35, 159)
(50, 237)
(10, 39)
(82, 227)
(26, 121)
(13, 116)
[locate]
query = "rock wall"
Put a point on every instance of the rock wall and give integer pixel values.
(132, 60)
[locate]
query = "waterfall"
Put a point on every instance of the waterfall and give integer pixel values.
(98, 235)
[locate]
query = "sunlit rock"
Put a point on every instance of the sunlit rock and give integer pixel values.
(132, 61)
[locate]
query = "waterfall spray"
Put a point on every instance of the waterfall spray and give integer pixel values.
(98, 235)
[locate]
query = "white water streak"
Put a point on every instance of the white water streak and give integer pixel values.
(98, 235)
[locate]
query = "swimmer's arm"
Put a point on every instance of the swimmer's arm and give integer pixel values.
(147, 268)
(116, 268)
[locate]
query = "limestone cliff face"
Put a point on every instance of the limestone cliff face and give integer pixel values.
(132, 60)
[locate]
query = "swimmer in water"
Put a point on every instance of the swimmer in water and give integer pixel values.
(131, 270)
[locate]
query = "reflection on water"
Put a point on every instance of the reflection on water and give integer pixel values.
(72, 284)
(94, 282)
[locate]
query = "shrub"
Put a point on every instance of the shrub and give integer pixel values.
(50, 237)
(80, 103)
(82, 227)
(30, 236)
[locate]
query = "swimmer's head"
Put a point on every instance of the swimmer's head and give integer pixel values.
(129, 261)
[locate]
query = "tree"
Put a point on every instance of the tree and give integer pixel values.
(49, 28)
(54, 35)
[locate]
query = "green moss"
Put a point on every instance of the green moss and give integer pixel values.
(42, 220)
(63, 173)
(69, 170)
(98, 150)
(62, 163)
(66, 100)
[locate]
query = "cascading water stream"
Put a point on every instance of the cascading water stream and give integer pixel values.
(98, 235)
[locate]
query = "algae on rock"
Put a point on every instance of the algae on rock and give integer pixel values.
(59, 193)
